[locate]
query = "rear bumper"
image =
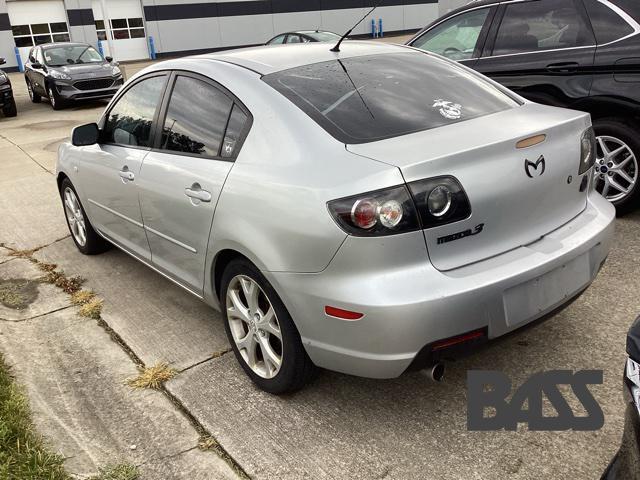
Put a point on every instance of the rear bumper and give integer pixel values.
(408, 305)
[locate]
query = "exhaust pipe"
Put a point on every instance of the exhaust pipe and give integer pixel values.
(436, 372)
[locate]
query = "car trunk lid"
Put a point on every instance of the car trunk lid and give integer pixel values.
(511, 205)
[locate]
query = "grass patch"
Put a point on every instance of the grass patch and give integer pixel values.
(22, 452)
(23, 253)
(118, 472)
(91, 309)
(17, 293)
(152, 377)
(82, 297)
(68, 285)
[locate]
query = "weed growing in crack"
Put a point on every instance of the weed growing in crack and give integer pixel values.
(68, 285)
(82, 297)
(208, 443)
(118, 472)
(153, 377)
(91, 309)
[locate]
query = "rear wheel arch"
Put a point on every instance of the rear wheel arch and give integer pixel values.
(222, 259)
(600, 108)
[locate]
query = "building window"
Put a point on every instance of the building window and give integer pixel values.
(39, 33)
(121, 28)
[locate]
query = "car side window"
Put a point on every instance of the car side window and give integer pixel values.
(278, 40)
(455, 38)
(608, 26)
(130, 120)
(541, 25)
(232, 136)
(293, 39)
(196, 118)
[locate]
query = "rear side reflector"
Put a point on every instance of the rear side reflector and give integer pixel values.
(449, 342)
(342, 314)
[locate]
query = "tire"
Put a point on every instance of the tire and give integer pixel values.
(296, 368)
(616, 133)
(10, 110)
(54, 98)
(93, 243)
(33, 95)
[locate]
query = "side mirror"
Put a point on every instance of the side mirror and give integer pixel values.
(36, 65)
(2, 61)
(85, 135)
(109, 59)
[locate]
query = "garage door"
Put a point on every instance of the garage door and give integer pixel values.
(126, 26)
(35, 22)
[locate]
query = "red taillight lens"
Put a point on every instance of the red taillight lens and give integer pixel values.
(379, 213)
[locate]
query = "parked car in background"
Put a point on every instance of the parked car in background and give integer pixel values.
(67, 72)
(626, 463)
(304, 36)
(7, 102)
(579, 54)
(343, 233)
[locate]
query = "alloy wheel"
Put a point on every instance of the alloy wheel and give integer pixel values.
(30, 90)
(75, 217)
(254, 326)
(616, 168)
(52, 98)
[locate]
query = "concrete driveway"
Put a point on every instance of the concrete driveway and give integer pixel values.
(338, 427)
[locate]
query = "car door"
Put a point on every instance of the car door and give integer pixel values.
(460, 37)
(181, 179)
(111, 168)
(37, 75)
(542, 49)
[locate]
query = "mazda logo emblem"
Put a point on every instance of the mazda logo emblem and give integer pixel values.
(529, 166)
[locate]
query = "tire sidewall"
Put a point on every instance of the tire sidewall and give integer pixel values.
(292, 349)
(626, 133)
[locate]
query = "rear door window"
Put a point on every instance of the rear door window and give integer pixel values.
(608, 26)
(368, 98)
(196, 118)
(455, 38)
(541, 25)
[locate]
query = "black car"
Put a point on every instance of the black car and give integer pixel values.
(7, 102)
(626, 464)
(304, 36)
(65, 72)
(579, 54)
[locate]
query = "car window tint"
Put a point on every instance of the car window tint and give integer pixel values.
(237, 121)
(368, 98)
(129, 121)
(279, 39)
(196, 118)
(455, 38)
(541, 25)
(607, 24)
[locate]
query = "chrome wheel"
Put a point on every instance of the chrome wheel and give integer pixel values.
(75, 217)
(254, 326)
(616, 168)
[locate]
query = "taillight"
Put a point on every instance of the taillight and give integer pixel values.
(382, 212)
(440, 201)
(587, 150)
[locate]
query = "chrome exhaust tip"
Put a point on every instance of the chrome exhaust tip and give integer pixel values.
(436, 372)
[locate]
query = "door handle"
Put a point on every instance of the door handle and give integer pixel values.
(126, 175)
(563, 67)
(197, 193)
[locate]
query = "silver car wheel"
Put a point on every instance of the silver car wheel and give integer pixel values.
(75, 217)
(30, 90)
(52, 98)
(616, 168)
(254, 326)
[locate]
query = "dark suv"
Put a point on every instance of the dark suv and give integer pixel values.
(7, 102)
(579, 54)
(66, 72)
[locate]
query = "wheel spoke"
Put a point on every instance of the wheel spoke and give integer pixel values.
(617, 151)
(626, 177)
(603, 146)
(269, 356)
(617, 186)
(238, 309)
(270, 324)
(249, 345)
(251, 292)
(605, 189)
(623, 162)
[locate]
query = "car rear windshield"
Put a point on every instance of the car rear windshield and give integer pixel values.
(369, 98)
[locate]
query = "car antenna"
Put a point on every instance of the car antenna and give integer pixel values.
(337, 47)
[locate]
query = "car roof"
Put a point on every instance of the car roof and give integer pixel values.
(275, 58)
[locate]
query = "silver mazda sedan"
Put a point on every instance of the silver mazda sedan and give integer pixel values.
(366, 211)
